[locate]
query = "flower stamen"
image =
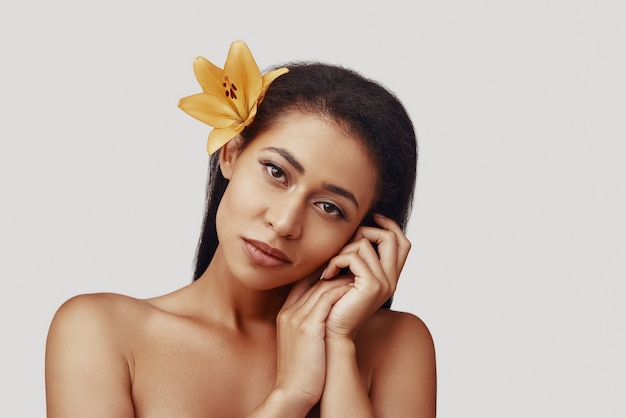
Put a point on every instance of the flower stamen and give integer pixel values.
(230, 88)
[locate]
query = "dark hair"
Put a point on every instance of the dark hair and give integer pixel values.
(363, 107)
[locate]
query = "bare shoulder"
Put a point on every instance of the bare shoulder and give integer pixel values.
(89, 347)
(100, 326)
(397, 328)
(97, 303)
(95, 315)
(398, 352)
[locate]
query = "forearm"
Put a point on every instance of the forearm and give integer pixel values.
(279, 403)
(344, 392)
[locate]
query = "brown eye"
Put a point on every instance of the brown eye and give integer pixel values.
(331, 209)
(275, 172)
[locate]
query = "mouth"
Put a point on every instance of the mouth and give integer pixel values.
(263, 254)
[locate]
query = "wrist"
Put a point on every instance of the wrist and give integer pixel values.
(341, 344)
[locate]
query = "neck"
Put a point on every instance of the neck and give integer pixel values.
(233, 304)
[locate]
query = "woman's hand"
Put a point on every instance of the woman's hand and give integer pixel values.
(301, 324)
(375, 275)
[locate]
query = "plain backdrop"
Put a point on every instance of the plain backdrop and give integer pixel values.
(518, 261)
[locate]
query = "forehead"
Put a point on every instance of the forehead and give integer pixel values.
(326, 151)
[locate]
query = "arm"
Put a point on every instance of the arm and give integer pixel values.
(87, 373)
(403, 381)
(281, 403)
(344, 393)
(301, 356)
(375, 278)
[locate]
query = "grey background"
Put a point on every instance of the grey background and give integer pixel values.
(518, 230)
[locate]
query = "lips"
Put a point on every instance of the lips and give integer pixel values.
(263, 254)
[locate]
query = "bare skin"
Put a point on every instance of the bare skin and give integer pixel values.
(261, 335)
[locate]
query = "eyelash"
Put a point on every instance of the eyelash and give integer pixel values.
(335, 208)
(271, 167)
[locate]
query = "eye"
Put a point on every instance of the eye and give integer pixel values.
(275, 172)
(331, 209)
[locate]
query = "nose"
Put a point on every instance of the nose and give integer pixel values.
(285, 215)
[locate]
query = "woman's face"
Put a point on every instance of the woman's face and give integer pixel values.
(296, 195)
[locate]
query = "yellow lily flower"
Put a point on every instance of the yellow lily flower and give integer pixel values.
(229, 97)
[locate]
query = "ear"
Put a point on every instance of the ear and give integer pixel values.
(228, 156)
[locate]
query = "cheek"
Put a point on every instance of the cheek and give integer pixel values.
(241, 200)
(324, 243)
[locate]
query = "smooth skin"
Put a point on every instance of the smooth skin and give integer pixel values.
(263, 332)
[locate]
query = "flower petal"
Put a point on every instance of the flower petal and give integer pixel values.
(208, 75)
(242, 71)
(271, 76)
(219, 137)
(210, 110)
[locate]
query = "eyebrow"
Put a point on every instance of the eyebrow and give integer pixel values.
(300, 169)
(287, 156)
(341, 192)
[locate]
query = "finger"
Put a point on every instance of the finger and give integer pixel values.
(309, 321)
(396, 242)
(298, 289)
(312, 309)
(365, 280)
(386, 247)
(308, 298)
(319, 304)
(362, 248)
(404, 245)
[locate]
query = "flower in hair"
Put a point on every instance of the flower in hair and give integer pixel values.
(229, 97)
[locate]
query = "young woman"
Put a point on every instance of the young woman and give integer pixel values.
(310, 187)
